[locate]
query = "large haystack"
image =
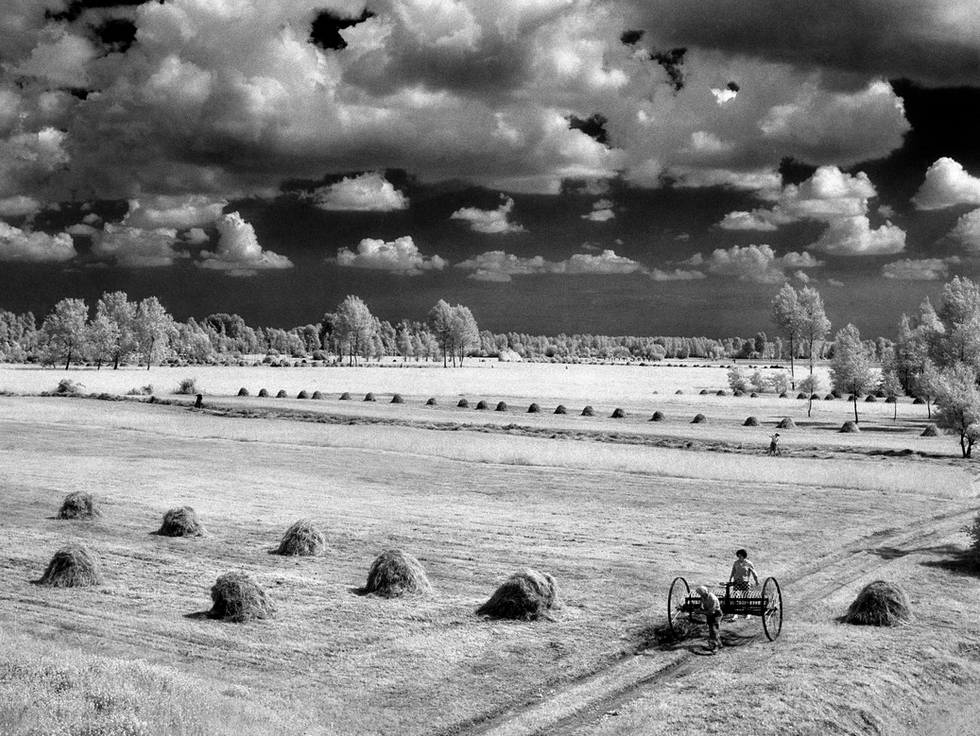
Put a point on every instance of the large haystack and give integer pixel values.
(345, 396)
(302, 539)
(396, 573)
(482, 405)
(79, 505)
(786, 423)
(931, 430)
(699, 419)
(72, 566)
(317, 396)
(281, 394)
(618, 414)
(263, 393)
(850, 426)
(238, 598)
(534, 409)
(879, 604)
(751, 422)
(243, 391)
(526, 595)
(501, 406)
(181, 522)
(369, 397)
(397, 399)
(588, 412)
(560, 409)
(658, 416)
(870, 399)
(302, 395)
(432, 402)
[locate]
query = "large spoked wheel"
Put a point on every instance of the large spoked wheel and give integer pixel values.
(679, 592)
(772, 617)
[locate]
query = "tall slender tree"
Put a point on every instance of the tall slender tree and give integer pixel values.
(852, 369)
(785, 309)
(813, 321)
(64, 330)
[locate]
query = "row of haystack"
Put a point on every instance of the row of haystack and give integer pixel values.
(237, 597)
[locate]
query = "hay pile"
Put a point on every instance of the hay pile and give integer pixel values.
(263, 393)
(849, 426)
(751, 422)
(931, 430)
(243, 391)
(784, 395)
(560, 409)
(526, 595)
(238, 598)
(703, 392)
(369, 396)
(658, 416)
(829, 397)
(72, 566)
(431, 402)
(79, 505)
(721, 392)
(786, 423)
(302, 395)
(302, 539)
(879, 604)
(699, 419)
(396, 573)
(815, 397)
(345, 396)
(482, 405)
(870, 399)
(891, 400)
(618, 413)
(317, 396)
(753, 395)
(737, 394)
(281, 394)
(588, 412)
(463, 404)
(801, 396)
(534, 409)
(181, 522)
(501, 406)
(397, 399)
(918, 401)
(678, 392)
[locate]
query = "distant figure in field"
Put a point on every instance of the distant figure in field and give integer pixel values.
(712, 614)
(199, 404)
(774, 445)
(743, 574)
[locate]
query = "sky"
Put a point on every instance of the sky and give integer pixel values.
(654, 167)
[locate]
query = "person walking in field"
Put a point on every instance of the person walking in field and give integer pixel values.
(743, 575)
(774, 445)
(712, 614)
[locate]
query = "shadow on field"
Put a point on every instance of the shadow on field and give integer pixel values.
(952, 558)
(690, 636)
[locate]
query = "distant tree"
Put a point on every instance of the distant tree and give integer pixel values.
(852, 369)
(154, 328)
(440, 322)
(354, 327)
(785, 309)
(64, 330)
(115, 308)
(102, 339)
(958, 405)
(813, 322)
(193, 342)
(465, 333)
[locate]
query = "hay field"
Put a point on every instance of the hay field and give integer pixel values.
(614, 522)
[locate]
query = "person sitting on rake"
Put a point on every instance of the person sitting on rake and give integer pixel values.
(711, 608)
(743, 573)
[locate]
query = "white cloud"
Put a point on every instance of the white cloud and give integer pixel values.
(678, 274)
(757, 263)
(605, 262)
(196, 236)
(24, 245)
(926, 269)
(19, 206)
(490, 221)
(82, 228)
(747, 221)
(966, 232)
(853, 236)
(601, 211)
(947, 184)
(369, 192)
(500, 266)
(724, 95)
(239, 252)
(132, 247)
(179, 212)
(803, 277)
(399, 256)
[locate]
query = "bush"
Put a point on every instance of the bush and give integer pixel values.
(737, 380)
(188, 386)
(809, 385)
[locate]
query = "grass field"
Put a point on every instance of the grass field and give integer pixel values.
(614, 509)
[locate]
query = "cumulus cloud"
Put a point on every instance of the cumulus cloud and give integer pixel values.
(179, 212)
(28, 161)
(601, 211)
(133, 247)
(500, 266)
(82, 228)
(239, 252)
(853, 236)
(369, 192)
(196, 236)
(757, 263)
(926, 269)
(947, 184)
(19, 206)
(490, 221)
(966, 232)
(678, 274)
(748, 221)
(24, 245)
(400, 256)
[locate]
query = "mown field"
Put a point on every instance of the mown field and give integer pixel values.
(614, 509)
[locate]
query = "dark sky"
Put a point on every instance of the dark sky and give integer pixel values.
(616, 167)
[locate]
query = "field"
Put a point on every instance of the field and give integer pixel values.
(613, 508)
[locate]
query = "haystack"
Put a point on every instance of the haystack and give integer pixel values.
(699, 419)
(463, 404)
(72, 566)
(891, 400)
(501, 406)
(527, 595)
(879, 604)
(317, 396)
(560, 409)
(751, 422)
(397, 399)
(396, 573)
(263, 393)
(588, 412)
(786, 423)
(243, 391)
(369, 396)
(931, 430)
(829, 397)
(345, 396)
(870, 399)
(801, 395)
(534, 409)
(721, 392)
(302, 539)
(238, 598)
(181, 522)
(850, 426)
(815, 397)
(678, 392)
(281, 394)
(79, 505)
(918, 401)
(618, 413)
(753, 395)
(302, 395)
(784, 395)
(431, 402)
(737, 394)
(703, 392)
(482, 405)
(658, 416)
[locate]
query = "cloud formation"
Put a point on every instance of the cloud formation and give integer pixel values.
(966, 232)
(853, 236)
(500, 266)
(35, 247)
(601, 211)
(755, 263)
(495, 222)
(400, 256)
(947, 184)
(133, 247)
(179, 212)
(238, 252)
(925, 269)
(368, 192)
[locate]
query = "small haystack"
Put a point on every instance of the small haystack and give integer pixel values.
(658, 416)
(801, 396)
(263, 393)
(588, 412)
(870, 399)
(703, 392)
(784, 395)
(560, 409)
(699, 419)
(501, 406)
(721, 392)
(482, 405)
(737, 394)
(786, 423)
(181, 522)
(879, 604)
(918, 401)
(753, 395)
(751, 422)
(829, 397)
(302, 539)
(243, 391)
(281, 394)
(317, 396)
(432, 401)
(527, 595)
(463, 404)
(72, 566)
(302, 395)
(931, 430)
(815, 397)
(238, 598)
(397, 399)
(891, 400)
(618, 413)
(534, 409)
(678, 392)
(369, 396)
(345, 396)
(79, 505)
(395, 573)
(850, 426)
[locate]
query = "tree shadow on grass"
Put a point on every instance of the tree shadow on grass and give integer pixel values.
(690, 636)
(950, 557)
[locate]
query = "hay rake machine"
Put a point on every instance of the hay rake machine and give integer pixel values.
(765, 602)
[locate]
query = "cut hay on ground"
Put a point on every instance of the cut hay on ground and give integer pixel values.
(658, 416)
(263, 393)
(243, 391)
(931, 430)
(618, 414)
(181, 522)
(281, 394)
(699, 419)
(588, 412)
(397, 399)
(395, 573)
(526, 595)
(850, 426)
(482, 405)
(879, 604)
(431, 402)
(238, 598)
(534, 409)
(560, 409)
(369, 396)
(501, 406)
(751, 422)
(786, 423)
(72, 566)
(463, 404)
(302, 395)
(79, 505)
(345, 396)
(302, 539)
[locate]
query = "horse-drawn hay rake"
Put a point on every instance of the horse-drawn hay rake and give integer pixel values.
(766, 603)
